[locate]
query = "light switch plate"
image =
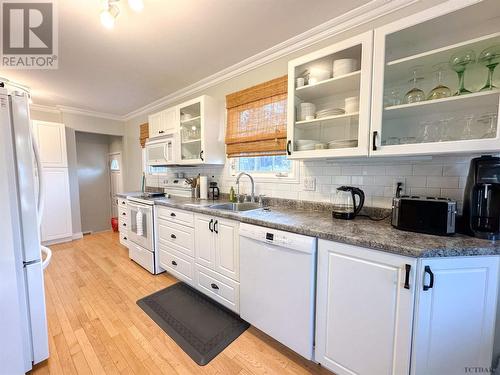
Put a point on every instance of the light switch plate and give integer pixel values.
(309, 184)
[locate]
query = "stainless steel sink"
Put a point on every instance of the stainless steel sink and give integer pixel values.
(236, 207)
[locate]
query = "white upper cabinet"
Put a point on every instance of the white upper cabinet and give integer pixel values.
(51, 140)
(455, 315)
(329, 100)
(420, 63)
(164, 122)
(201, 139)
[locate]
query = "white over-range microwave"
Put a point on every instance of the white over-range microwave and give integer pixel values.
(161, 151)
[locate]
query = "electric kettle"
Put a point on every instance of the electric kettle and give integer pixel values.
(345, 205)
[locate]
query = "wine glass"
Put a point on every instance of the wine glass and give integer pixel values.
(427, 131)
(440, 91)
(459, 62)
(490, 119)
(490, 57)
(467, 132)
(415, 94)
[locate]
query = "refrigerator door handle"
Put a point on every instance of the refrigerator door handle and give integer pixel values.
(48, 257)
(41, 188)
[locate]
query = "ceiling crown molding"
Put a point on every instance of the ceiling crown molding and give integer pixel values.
(347, 21)
(86, 112)
(43, 108)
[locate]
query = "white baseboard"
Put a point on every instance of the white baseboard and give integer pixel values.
(77, 236)
(57, 241)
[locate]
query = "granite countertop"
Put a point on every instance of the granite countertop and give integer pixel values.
(379, 235)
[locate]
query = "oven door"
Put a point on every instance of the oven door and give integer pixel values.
(141, 225)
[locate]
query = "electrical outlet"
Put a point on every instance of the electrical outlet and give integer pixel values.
(395, 182)
(309, 184)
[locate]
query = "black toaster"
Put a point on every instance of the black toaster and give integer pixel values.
(424, 214)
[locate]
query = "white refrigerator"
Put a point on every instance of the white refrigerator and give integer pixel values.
(23, 320)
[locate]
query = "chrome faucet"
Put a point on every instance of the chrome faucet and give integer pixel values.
(252, 197)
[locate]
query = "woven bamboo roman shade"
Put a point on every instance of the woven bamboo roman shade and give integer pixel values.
(144, 134)
(256, 120)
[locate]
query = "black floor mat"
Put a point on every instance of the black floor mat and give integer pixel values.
(199, 325)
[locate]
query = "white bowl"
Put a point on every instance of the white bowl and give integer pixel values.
(352, 104)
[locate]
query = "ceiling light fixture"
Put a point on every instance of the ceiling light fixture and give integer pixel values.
(109, 14)
(112, 10)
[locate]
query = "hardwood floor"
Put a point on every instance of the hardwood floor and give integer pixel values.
(95, 326)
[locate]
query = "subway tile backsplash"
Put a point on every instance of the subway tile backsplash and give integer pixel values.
(439, 176)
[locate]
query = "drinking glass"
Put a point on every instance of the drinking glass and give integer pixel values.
(490, 120)
(490, 57)
(445, 133)
(394, 97)
(415, 94)
(440, 91)
(459, 62)
(427, 131)
(467, 132)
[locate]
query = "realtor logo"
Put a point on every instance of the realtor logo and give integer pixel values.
(29, 34)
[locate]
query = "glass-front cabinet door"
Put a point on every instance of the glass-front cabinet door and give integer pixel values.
(191, 132)
(329, 100)
(435, 82)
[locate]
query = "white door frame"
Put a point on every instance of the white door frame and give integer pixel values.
(120, 183)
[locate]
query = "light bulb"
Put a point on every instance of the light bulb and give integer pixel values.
(107, 19)
(109, 15)
(136, 5)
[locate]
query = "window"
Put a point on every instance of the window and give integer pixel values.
(115, 165)
(256, 120)
(277, 165)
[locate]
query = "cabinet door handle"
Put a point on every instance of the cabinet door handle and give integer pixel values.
(124, 224)
(374, 140)
(174, 263)
(201, 156)
(215, 226)
(407, 277)
(125, 238)
(288, 145)
(214, 286)
(161, 132)
(210, 225)
(172, 214)
(427, 269)
(124, 213)
(173, 236)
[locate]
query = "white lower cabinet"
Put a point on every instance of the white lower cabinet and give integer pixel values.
(455, 315)
(364, 310)
(217, 245)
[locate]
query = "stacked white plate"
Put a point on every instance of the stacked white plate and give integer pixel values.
(307, 110)
(344, 66)
(305, 144)
(330, 112)
(343, 143)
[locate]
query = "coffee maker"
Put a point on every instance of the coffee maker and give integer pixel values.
(481, 211)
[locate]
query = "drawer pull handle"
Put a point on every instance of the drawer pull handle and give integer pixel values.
(172, 214)
(124, 213)
(214, 286)
(124, 224)
(173, 236)
(125, 238)
(174, 263)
